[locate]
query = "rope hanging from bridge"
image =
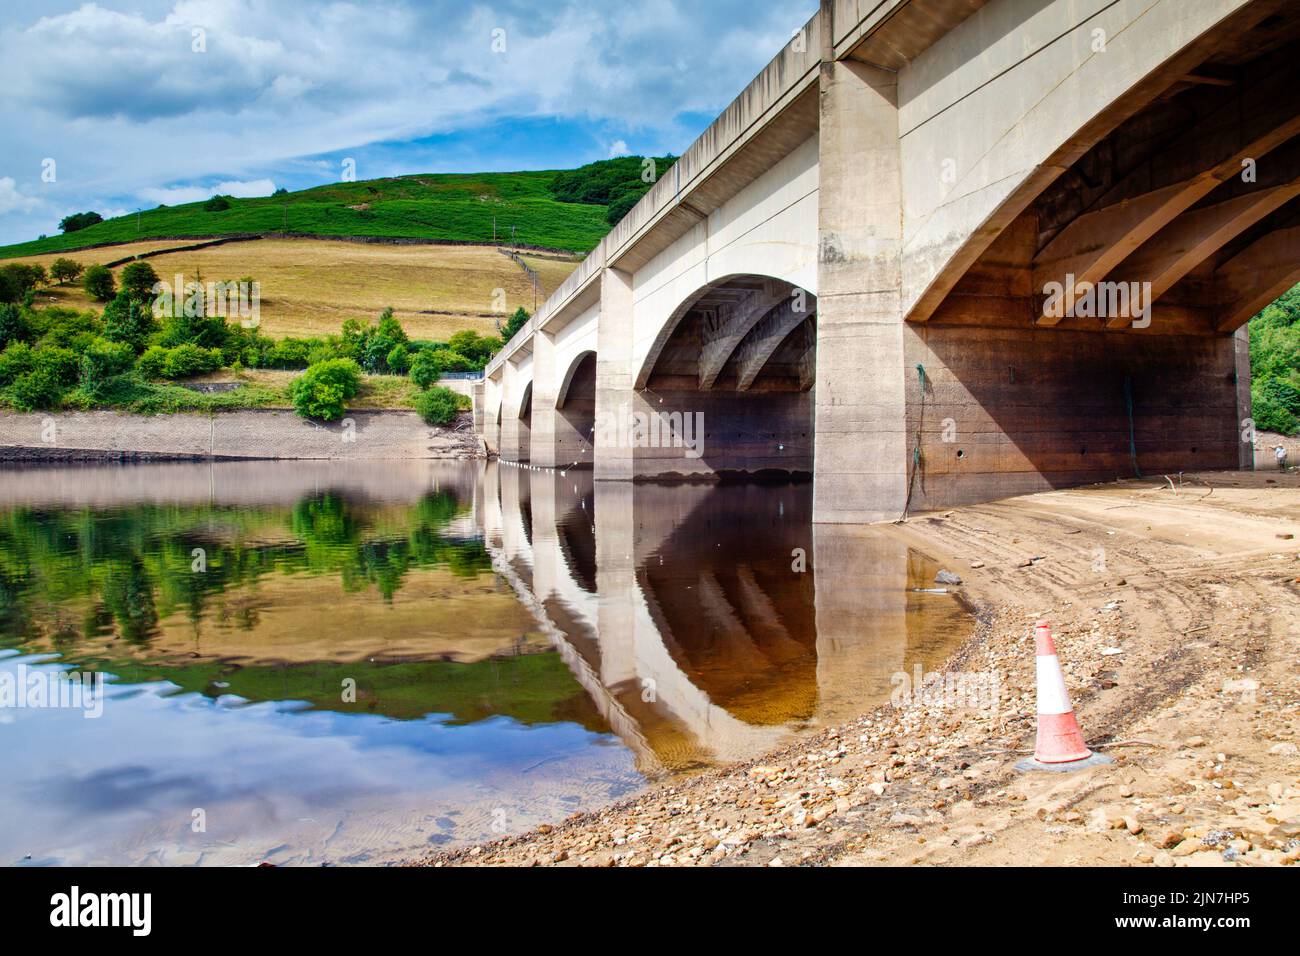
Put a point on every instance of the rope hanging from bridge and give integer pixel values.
(1132, 441)
(916, 450)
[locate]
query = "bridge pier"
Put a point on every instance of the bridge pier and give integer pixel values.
(615, 375)
(861, 445)
(546, 381)
(516, 415)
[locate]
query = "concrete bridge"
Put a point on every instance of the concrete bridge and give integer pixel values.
(940, 251)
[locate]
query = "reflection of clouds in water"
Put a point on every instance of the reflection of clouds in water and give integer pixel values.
(267, 774)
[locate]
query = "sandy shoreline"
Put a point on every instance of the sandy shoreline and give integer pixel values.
(1174, 607)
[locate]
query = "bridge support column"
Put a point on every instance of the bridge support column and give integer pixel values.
(615, 379)
(514, 429)
(861, 443)
(491, 428)
(1245, 407)
(546, 378)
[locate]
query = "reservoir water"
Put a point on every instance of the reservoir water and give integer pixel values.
(329, 663)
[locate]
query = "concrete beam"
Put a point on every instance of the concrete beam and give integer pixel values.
(1014, 79)
(724, 331)
(1256, 276)
(765, 339)
(1193, 238)
(1098, 241)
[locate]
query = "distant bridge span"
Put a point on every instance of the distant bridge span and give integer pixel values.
(937, 252)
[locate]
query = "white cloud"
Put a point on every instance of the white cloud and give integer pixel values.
(11, 200)
(619, 148)
(115, 93)
(177, 195)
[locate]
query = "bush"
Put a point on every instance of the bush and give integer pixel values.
(437, 405)
(479, 349)
(80, 220)
(188, 360)
(66, 270)
(399, 360)
(1271, 416)
(13, 326)
(138, 280)
(287, 353)
(324, 389)
(103, 360)
(18, 359)
(62, 364)
(217, 204)
(99, 283)
(426, 368)
(38, 389)
(152, 363)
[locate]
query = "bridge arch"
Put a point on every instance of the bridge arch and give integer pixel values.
(734, 371)
(1104, 288)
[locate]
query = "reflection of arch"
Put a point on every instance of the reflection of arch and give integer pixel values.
(589, 359)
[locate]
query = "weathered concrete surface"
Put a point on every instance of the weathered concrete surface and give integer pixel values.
(861, 447)
(265, 434)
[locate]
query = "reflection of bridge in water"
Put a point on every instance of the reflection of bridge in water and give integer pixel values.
(684, 619)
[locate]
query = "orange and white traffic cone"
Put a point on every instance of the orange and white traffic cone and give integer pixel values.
(1060, 743)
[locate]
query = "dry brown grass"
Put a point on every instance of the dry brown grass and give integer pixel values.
(311, 286)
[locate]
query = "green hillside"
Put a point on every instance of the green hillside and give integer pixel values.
(448, 207)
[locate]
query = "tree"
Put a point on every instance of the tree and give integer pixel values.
(515, 323)
(99, 283)
(138, 280)
(127, 320)
(478, 349)
(103, 360)
(66, 270)
(13, 326)
(217, 204)
(426, 367)
(323, 390)
(79, 220)
(399, 360)
(17, 279)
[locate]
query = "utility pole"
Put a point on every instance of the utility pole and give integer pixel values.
(494, 230)
(137, 219)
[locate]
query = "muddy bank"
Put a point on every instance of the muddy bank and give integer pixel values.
(1175, 609)
(261, 434)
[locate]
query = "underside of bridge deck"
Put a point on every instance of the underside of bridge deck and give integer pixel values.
(1101, 334)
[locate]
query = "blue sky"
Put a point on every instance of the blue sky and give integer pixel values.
(140, 102)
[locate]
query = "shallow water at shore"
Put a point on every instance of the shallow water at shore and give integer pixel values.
(341, 663)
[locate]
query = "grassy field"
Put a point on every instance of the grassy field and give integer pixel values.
(310, 286)
(446, 207)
